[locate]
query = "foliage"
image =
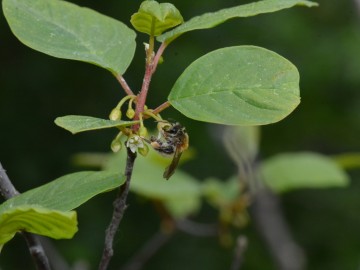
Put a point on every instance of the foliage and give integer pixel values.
(45, 210)
(239, 85)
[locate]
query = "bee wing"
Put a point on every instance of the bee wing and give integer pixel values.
(169, 171)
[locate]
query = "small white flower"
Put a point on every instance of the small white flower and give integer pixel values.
(134, 143)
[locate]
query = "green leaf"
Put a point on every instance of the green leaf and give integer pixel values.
(209, 20)
(79, 123)
(242, 85)
(289, 171)
(180, 195)
(39, 220)
(65, 30)
(154, 18)
(67, 192)
(222, 194)
(348, 161)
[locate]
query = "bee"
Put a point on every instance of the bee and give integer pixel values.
(171, 141)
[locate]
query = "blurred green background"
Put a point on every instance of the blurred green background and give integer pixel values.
(323, 42)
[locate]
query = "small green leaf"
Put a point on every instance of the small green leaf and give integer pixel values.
(38, 220)
(291, 171)
(67, 192)
(242, 85)
(209, 20)
(348, 161)
(79, 123)
(154, 18)
(65, 30)
(222, 194)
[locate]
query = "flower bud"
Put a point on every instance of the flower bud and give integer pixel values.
(116, 144)
(144, 150)
(130, 113)
(115, 114)
(143, 131)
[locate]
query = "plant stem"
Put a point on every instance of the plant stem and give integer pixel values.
(37, 252)
(241, 244)
(150, 248)
(144, 90)
(118, 212)
(268, 217)
(197, 229)
(162, 107)
(124, 85)
(7, 189)
(158, 55)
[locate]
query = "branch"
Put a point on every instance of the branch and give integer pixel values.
(197, 229)
(162, 107)
(124, 85)
(267, 215)
(241, 244)
(147, 251)
(357, 4)
(158, 55)
(118, 212)
(8, 191)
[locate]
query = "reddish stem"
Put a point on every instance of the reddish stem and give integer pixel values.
(162, 107)
(151, 65)
(144, 90)
(158, 55)
(124, 85)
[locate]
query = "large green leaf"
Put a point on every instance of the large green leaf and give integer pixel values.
(154, 18)
(65, 30)
(80, 123)
(291, 171)
(209, 20)
(67, 192)
(36, 219)
(243, 85)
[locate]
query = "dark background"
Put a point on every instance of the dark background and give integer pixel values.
(323, 42)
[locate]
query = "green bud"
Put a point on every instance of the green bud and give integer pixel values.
(130, 113)
(116, 144)
(115, 114)
(143, 131)
(144, 150)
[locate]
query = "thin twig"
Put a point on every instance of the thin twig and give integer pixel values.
(118, 212)
(162, 107)
(148, 250)
(124, 85)
(241, 244)
(37, 252)
(144, 90)
(357, 4)
(7, 189)
(58, 262)
(197, 229)
(269, 219)
(158, 55)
